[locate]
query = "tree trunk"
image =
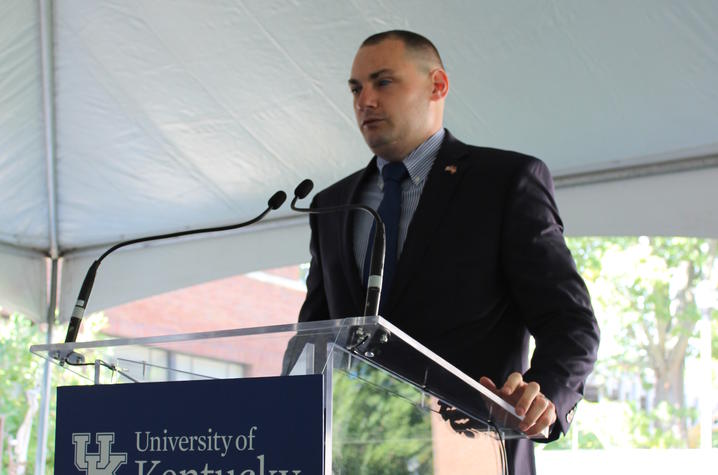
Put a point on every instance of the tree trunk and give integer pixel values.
(670, 388)
(18, 464)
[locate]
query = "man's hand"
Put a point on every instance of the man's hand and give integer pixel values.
(539, 413)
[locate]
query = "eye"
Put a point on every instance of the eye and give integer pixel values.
(355, 90)
(383, 82)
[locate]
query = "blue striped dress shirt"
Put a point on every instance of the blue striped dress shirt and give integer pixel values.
(418, 163)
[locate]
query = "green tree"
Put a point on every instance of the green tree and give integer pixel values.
(644, 291)
(19, 390)
(20, 378)
(378, 428)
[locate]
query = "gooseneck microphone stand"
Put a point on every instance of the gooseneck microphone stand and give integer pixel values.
(76, 319)
(376, 268)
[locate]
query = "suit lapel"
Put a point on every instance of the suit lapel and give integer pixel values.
(442, 182)
(348, 261)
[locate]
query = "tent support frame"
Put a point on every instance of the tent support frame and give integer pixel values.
(46, 382)
(48, 105)
(641, 170)
(46, 14)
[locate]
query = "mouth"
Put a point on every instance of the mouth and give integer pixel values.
(370, 122)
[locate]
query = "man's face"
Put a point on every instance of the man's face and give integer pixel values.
(392, 96)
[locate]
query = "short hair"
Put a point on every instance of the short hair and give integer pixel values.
(413, 42)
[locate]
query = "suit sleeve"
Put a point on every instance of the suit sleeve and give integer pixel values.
(552, 297)
(315, 304)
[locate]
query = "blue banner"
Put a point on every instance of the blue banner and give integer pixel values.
(252, 426)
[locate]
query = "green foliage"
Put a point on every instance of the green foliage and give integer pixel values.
(378, 430)
(657, 428)
(21, 373)
(586, 440)
(601, 425)
(645, 292)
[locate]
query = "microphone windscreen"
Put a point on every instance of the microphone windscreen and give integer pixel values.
(303, 189)
(277, 199)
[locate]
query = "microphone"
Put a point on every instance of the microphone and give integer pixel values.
(73, 329)
(378, 249)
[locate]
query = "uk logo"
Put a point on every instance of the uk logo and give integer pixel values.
(104, 461)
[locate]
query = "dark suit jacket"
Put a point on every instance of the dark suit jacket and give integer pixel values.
(483, 266)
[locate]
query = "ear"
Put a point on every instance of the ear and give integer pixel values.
(440, 84)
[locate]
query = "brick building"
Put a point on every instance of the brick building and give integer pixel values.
(257, 299)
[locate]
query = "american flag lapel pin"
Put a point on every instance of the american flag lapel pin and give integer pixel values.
(450, 169)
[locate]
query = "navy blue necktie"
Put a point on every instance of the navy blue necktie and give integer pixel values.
(390, 211)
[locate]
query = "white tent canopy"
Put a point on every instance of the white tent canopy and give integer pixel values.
(126, 118)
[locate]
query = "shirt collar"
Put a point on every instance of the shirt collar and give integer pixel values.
(419, 161)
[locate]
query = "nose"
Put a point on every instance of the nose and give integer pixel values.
(366, 98)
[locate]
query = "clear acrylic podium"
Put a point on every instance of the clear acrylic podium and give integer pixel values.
(391, 406)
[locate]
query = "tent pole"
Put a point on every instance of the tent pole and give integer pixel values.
(48, 102)
(636, 170)
(48, 106)
(46, 384)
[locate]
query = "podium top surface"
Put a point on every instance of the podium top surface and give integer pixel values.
(279, 350)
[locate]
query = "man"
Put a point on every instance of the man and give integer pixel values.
(477, 261)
